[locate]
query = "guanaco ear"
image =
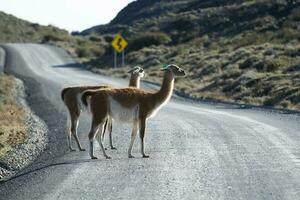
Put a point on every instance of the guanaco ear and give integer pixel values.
(134, 70)
(164, 67)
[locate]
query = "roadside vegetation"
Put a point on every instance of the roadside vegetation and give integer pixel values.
(13, 130)
(236, 51)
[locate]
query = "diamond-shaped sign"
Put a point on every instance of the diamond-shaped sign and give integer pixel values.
(119, 43)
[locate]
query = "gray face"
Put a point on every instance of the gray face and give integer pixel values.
(138, 70)
(177, 71)
(141, 72)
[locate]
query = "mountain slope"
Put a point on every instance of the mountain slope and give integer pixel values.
(194, 18)
(238, 50)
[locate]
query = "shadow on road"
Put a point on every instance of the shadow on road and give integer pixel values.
(70, 65)
(49, 165)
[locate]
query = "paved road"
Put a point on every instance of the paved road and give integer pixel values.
(198, 150)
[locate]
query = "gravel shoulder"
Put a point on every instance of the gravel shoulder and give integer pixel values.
(24, 153)
(2, 60)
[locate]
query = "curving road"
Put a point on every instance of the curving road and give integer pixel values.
(197, 150)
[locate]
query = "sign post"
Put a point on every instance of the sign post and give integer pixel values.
(115, 59)
(119, 44)
(123, 58)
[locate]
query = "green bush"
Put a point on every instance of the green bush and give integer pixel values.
(148, 39)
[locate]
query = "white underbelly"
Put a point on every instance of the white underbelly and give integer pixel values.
(122, 114)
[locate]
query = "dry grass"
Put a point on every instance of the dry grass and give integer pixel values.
(12, 117)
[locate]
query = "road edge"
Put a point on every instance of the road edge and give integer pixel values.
(2, 60)
(24, 154)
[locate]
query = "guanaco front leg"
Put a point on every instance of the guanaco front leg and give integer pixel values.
(142, 136)
(133, 135)
(109, 126)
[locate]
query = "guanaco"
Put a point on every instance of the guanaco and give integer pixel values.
(127, 105)
(71, 97)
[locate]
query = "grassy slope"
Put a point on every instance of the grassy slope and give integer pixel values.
(243, 51)
(15, 30)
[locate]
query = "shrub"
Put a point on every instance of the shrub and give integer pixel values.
(288, 34)
(270, 102)
(276, 63)
(248, 63)
(82, 52)
(96, 51)
(108, 38)
(51, 37)
(75, 33)
(148, 39)
(95, 38)
(89, 51)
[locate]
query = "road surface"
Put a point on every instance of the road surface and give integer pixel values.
(197, 150)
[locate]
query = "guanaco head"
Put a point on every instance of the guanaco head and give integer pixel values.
(137, 70)
(177, 71)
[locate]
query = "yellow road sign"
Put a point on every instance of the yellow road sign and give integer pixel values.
(119, 43)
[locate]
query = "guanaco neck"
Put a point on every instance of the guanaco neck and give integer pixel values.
(134, 81)
(165, 92)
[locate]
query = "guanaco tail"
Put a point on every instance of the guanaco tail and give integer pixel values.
(71, 97)
(127, 105)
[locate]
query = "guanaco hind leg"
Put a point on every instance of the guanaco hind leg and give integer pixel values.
(68, 126)
(99, 139)
(74, 125)
(142, 136)
(93, 133)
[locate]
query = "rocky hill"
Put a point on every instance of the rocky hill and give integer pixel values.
(245, 51)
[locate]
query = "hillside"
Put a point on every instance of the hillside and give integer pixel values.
(244, 51)
(15, 30)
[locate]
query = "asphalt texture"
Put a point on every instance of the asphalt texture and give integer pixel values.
(197, 150)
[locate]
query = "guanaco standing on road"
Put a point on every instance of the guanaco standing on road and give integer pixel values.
(128, 105)
(71, 96)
